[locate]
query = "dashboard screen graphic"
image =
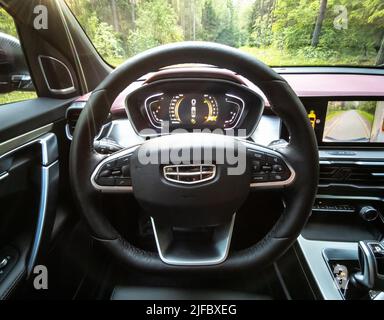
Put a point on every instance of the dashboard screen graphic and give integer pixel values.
(194, 110)
(354, 122)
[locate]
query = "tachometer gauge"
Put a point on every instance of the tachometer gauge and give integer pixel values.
(193, 109)
(235, 107)
(155, 109)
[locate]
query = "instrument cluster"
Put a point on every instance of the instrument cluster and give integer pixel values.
(194, 104)
(194, 110)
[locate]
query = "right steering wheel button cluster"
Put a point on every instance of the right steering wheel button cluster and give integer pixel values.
(267, 168)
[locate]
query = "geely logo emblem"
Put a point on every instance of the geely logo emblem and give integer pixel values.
(189, 173)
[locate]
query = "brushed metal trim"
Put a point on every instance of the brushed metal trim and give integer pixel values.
(16, 142)
(183, 261)
(46, 172)
(4, 175)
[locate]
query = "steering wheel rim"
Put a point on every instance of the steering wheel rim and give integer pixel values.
(301, 152)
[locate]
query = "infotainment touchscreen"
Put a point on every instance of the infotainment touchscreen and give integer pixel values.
(354, 122)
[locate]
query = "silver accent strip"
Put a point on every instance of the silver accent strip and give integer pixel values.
(18, 141)
(4, 175)
(268, 151)
(222, 245)
(331, 154)
(315, 253)
(177, 176)
(358, 163)
(380, 296)
(112, 189)
(47, 173)
(48, 144)
(53, 90)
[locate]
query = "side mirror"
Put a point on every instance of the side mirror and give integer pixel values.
(14, 74)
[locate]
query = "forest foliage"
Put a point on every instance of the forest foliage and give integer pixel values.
(279, 32)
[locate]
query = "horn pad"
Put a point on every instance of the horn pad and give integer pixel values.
(191, 180)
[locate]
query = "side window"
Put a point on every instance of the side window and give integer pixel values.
(15, 80)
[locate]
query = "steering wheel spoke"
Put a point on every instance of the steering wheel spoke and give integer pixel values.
(113, 173)
(269, 168)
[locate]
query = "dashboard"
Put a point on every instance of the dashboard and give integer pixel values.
(194, 104)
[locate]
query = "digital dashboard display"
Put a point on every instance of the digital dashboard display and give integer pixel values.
(353, 122)
(194, 110)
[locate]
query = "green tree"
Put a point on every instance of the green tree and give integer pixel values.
(156, 24)
(319, 23)
(7, 24)
(209, 22)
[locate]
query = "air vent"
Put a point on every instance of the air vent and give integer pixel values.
(368, 174)
(73, 113)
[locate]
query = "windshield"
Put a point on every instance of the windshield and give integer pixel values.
(278, 32)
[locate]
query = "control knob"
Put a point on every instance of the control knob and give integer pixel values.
(368, 213)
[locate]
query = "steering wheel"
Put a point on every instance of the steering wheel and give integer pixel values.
(168, 192)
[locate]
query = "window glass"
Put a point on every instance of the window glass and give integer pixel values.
(15, 80)
(278, 32)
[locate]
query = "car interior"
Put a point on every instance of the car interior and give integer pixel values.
(192, 171)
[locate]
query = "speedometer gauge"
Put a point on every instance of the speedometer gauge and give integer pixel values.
(193, 109)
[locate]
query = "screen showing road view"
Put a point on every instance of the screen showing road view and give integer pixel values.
(354, 121)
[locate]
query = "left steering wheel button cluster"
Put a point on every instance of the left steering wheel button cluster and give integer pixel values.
(115, 173)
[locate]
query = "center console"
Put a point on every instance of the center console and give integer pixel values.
(349, 209)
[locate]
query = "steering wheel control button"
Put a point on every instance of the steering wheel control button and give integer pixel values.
(260, 177)
(256, 166)
(109, 165)
(3, 263)
(277, 168)
(106, 181)
(123, 182)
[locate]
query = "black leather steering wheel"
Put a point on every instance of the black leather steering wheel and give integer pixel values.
(300, 155)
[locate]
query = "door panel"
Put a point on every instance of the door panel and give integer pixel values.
(29, 177)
